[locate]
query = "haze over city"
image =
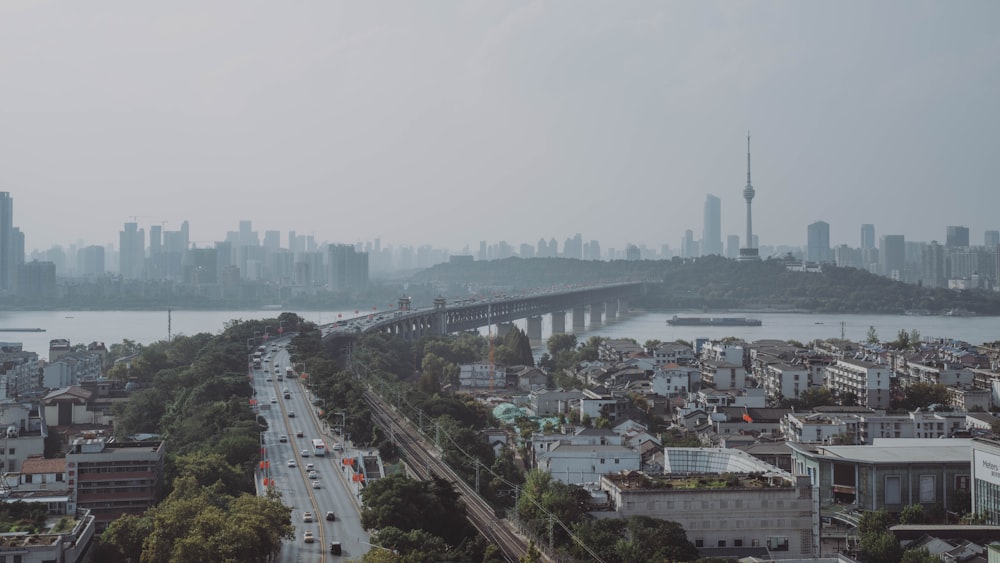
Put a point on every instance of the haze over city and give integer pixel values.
(453, 122)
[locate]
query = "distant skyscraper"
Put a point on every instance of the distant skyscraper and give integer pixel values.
(11, 244)
(90, 261)
(867, 236)
(272, 240)
(932, 264)
(132, 249)
(632, 253)
(347, 268)
(688, 249)
(711, 235)
(892, 256)
(991, 238)
(957, 237)
(818, 242)
(750, 252)
(733, 246)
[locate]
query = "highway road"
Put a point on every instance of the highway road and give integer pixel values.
(288, 450)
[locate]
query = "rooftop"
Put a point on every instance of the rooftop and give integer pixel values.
(900, 450)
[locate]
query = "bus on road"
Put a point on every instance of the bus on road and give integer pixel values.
(319, 448)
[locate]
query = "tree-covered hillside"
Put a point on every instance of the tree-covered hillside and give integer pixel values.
(716, 283)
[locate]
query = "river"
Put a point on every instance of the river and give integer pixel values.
(82, 327)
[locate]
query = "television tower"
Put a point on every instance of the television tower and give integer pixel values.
(748, 253)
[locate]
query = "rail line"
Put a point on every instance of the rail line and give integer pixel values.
(424, 463)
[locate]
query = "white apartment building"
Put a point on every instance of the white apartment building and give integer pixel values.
(724, 375)
(71, 369)
(820, 428)
(868, 381)
(673, 380)
(672, 353)
(786, 380)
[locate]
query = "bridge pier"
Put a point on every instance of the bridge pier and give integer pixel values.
(611, 309)
(578, 318)
(503, 329)
(596, 314)
(558, 322)
(535, 328)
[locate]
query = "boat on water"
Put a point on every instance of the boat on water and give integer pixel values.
(713, 321)
(22, 330)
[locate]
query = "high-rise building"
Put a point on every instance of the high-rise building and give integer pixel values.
(892, 256)
(991, 238)
(818, 242)
(132, 248)
(867, 236)
(932, 264)
(749, 253)
(732, 246)
(11, 244)
(711, 235)
(90, 261)
(957, 237)
(348, 269)
(272, 240)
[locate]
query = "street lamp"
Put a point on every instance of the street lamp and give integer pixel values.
(255, 333)
(267, 330)
(281, 328)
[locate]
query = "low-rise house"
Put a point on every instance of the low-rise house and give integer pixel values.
(723, 375)
(667, 353)
(548, 402)
(65, 538)
(482, 376)
(820, 428)
(890, 474)
(72, 369)
(723, 498)
(673, 379)
(597, 403)
(528, 378)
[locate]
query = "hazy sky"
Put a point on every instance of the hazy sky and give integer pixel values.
(447, 123)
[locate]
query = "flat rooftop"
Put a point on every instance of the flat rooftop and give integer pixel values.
(903, 450)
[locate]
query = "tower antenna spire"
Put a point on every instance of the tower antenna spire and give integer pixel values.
(748, 157)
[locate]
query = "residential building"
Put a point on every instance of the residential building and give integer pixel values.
(672, 353)
(868, 382)
(72, 369)
(818, 243)
(18, 371)
(889, 474)
(723, 375)
(547, 402)
(957, 237)
(986, 480)
(723, 498)
(112, 478)
(347, 268)
(711, 238)
(482, 376)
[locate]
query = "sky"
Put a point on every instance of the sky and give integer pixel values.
(447, 123)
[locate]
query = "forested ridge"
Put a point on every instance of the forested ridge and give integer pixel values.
(718, 283)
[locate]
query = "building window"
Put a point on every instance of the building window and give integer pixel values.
(737, 543)
(927, 492)
(892, 492)
(699, 543)
(754, 543)
(722, 543)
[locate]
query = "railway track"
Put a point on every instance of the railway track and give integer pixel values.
(424, 463)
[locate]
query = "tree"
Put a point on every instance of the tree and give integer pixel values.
(414, 546)
(561, 343)
(816, 397)
(902, 340)
(872, 337)
(913, 514)
(877, 544)
(922, 395)
(651, 539)
(520, 347)
(919, 555)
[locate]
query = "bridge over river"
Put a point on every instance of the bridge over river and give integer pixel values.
(603, 302)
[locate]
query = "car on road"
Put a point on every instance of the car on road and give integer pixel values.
(335, 548)
(274, 400)
(308, 537)
(291, 414)
(316, 485)
(283, 438)
(291, 463)
(307, 517)
(330, 516)
(313, 475)
(310, 467)
(269, 378)
(303, 453)
(299, 434)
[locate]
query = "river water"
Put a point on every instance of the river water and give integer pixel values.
(82, 327)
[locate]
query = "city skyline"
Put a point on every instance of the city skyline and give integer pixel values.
(454, 123)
